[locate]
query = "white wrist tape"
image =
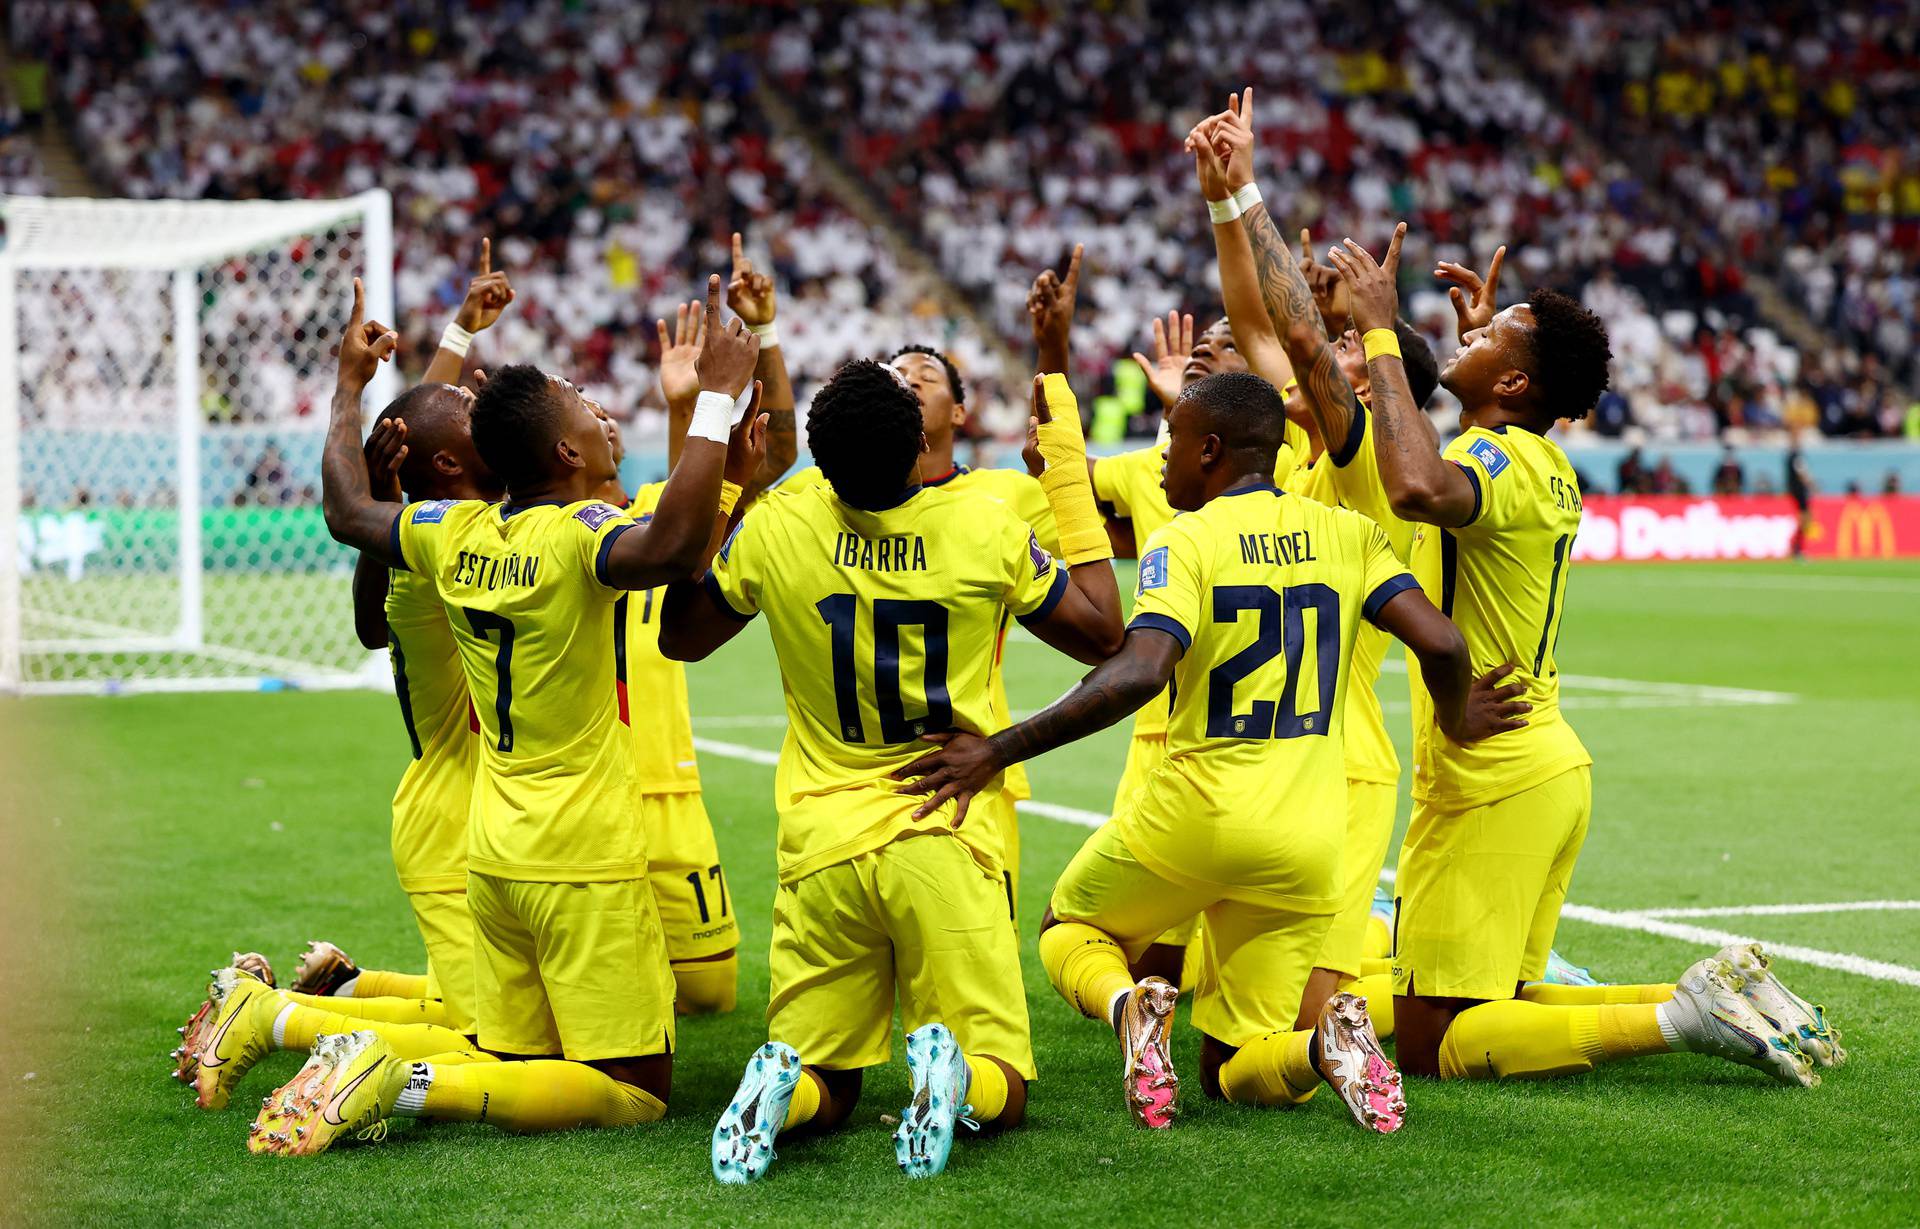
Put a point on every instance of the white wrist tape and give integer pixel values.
(1223, 211)
(712, 417)
(456, 339)
(768, 333)
(1246, 198)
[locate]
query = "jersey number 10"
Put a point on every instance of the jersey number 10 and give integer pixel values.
(889, 615)
(1281, 629)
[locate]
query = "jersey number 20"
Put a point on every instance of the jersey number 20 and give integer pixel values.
(1281, 629)
(889, 616)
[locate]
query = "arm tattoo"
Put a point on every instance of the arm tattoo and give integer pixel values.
(1290, 302)
(1113, 690)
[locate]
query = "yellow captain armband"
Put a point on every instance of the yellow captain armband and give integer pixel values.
(729, 497)
(1380, 342)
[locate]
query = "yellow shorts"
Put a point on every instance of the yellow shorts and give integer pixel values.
(578, 969)
(446, 927)
(1370, 808)
(1002, 815)
(918, 917)
(689, 886)
(1144, 753)
(1480, 890)
(1253, 967)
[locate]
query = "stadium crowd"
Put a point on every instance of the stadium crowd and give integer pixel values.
(592, 136)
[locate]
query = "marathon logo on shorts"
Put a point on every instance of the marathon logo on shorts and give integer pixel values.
(1153, 569)
(595, 515)
(1488, 454)
(1041, 559)
(431, 512)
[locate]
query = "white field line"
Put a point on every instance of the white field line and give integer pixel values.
(1842, 906)
(1646, 922)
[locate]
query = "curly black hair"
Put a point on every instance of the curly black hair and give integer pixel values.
(1423, 370)
(864, 429)
(954, 383)
(1570, 354)
(516, 419)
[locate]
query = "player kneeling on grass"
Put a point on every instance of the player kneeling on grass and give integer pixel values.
(571, 966)
(885, 599)
(1248, 605)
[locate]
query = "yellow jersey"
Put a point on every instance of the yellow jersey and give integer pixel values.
(1130, 481)
(1267, 592)
(1021, 492)
(664, 760)
(526, 594)
(431, 804)
(1502, 578)
(885, 624)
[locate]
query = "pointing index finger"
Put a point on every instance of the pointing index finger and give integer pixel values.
(1073, 268)
(1040, 410)
(1392, 265)
(713, 299)
(486, 257)
(739, 255)
(359, 306)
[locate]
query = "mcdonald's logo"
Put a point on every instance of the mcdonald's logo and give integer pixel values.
(1866, 531)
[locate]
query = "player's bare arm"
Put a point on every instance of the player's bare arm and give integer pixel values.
(966, 763)
(1050, 306)
(354, 516)
(1239, 279)
(1284, 291)
(750, 295)
(386, 448)
(487, 296)
(1421, 484)
(674, 543)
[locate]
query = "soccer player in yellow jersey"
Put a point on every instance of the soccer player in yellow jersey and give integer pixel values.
(1498, 824)
(570, 960)
(885, 599)
(1248, 605)
(943, 411)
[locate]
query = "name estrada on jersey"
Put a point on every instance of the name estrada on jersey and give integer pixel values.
(886, 625)
(526, 595)
(431, 804)
(1502, 579)
(1266, 591)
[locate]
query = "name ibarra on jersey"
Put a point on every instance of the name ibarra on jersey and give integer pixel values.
(897, 553)
(494, 571)
(1279, 549)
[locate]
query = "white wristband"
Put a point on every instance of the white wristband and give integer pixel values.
(456, 339)
(712, 417)
(1246, 198)
(768, 334)
(1223, 211)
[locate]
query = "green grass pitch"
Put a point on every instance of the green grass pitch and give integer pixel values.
(145, 837)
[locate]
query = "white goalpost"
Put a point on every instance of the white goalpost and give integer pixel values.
(166, 369)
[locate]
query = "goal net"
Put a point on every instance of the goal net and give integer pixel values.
(166, 369)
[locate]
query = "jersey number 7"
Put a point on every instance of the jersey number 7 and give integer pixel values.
(486, 625)
(889, 615)
(1281, 628)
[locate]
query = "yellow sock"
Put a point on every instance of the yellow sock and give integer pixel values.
(986, 1088)
(705, 987)
(296, 1027)
(1530, 1040)
(807, 1095)
(1276, 1069)
(1371, 965)
(1593, 996)
(1378, 945)
(1377, 989)
(1086, 966)
(540, 1095)
(391, 1010)
(378, 984)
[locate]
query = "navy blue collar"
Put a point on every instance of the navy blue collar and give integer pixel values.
(905, 495)
(949, 476)
(1248, 490)
(509, 508)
